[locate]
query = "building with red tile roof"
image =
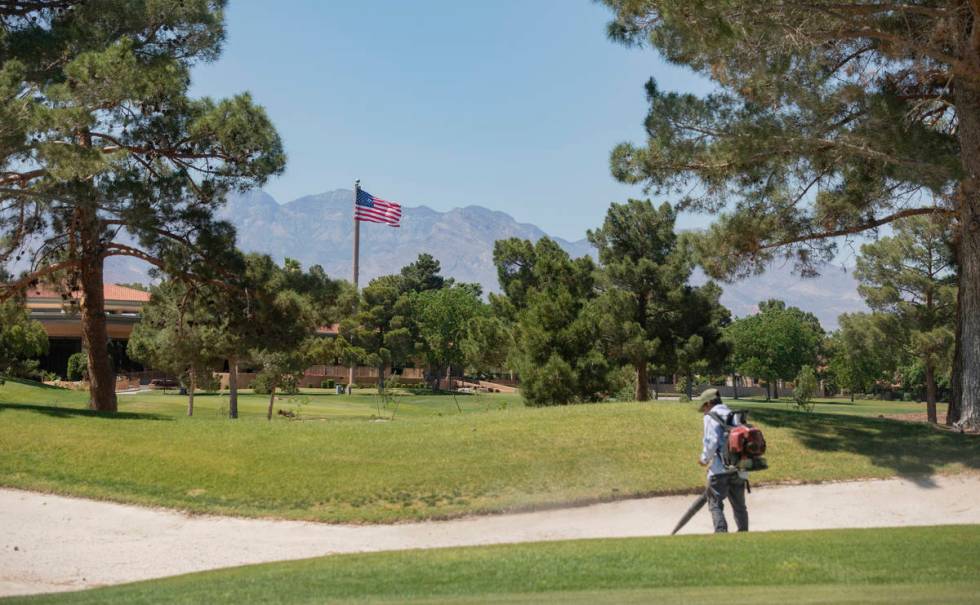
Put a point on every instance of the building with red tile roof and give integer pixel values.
(60, 317)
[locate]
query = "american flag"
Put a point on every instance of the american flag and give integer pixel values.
(376, 210)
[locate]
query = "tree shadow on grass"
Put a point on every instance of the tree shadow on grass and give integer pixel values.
(912, 450)
(33, 384)
(65, 412)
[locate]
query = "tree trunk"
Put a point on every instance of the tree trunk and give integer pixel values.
(233, 388)
(768, 390)
(690, 385)
(967, 97)
(642, 382)
(735, 384)
(190, 393)
(432, 375)
(968, 317)
(775, 389)
(955, 385)
(102, 384)
(272, 400)
(931, 393)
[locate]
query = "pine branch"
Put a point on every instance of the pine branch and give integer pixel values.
(12, 288)
(115, 249)
(854, 229)
(878, 8)
(184, 240)
(8, 178)
(22, 8)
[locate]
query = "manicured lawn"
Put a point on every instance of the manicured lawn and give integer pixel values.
(909, 565)
(319, 404)
(867, 407)
(430, 462)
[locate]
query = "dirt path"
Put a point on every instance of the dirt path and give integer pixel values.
(50, 543)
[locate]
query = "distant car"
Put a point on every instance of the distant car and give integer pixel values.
(164, 383)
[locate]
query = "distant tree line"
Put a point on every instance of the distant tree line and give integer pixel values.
(572, 329)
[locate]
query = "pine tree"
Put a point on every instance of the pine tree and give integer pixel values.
(698, 333)
(642, 267)
(285, 307)
(383, 331)
(421, 275)
(551, 299)
(910, 276)
(486, 343)
(650, 315)
(829, 119)
(178, 333)
(383, 327)
(103, 153)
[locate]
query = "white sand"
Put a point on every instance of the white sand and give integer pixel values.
(50, 543)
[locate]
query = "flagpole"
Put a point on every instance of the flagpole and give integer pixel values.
(357, 258)
(357, 234)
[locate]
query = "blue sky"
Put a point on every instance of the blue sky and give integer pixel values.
(512, 104)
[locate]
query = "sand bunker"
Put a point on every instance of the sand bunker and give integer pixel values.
(52, 543)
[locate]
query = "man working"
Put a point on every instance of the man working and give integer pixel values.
(722, 483)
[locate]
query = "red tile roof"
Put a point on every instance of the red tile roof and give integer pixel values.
(332, 329)
(109, 291)
(117, 292)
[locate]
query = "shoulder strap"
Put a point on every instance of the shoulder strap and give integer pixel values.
(719, 420)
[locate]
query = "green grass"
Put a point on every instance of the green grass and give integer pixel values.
(310, 404)
(866, 407)
(908, 565)
(321, 404)
(430, 462)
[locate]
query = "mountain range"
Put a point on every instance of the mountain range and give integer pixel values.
(316, 229)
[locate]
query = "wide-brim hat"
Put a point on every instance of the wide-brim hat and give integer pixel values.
(708, 395)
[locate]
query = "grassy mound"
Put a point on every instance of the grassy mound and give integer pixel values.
(839, 566)
(430, 462)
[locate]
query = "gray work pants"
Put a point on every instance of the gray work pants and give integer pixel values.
(727, 485)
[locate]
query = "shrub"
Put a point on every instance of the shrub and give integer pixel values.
(327, 384)
(24, 368)
(208, 382)
(262, 385)
(623, 383)
(806, 388)
(77, 366)
(552, 383)
(682, 388)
